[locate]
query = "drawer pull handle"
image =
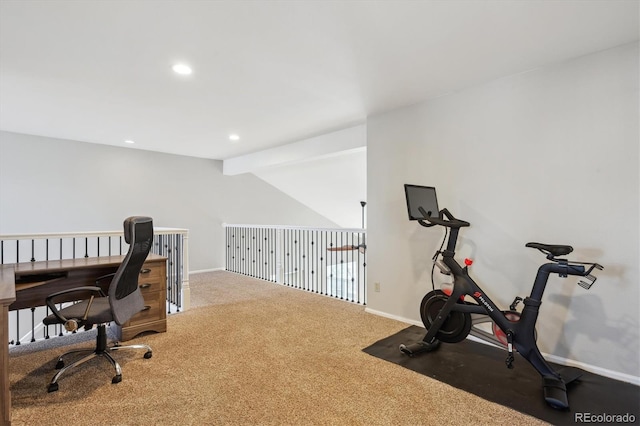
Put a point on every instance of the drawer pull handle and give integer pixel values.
(146, 308)
(145, 285)
(145, 271)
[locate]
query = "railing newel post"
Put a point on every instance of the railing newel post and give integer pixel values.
(279, 248)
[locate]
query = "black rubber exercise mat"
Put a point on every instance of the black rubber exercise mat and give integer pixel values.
(480, 369)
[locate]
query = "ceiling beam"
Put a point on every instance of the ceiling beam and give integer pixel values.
(335, 143)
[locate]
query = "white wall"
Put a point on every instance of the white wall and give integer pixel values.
(53, 185)
(332, 186)
(548, 156)
(327, 173)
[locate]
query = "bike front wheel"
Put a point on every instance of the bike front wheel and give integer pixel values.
(456, 326)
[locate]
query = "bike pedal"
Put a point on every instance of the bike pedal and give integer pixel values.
(509, 361)
(513, 305)
(510, 358)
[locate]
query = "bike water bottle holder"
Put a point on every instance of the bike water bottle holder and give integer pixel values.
(587, 282)
(589, 279)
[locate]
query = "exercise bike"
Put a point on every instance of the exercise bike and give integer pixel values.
(451, 314)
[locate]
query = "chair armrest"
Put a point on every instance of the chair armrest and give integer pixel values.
(51, 304)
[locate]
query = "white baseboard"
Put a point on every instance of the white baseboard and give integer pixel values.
(623, 377)
(394, 317)
(202, 271)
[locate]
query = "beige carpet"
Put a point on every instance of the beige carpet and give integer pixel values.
(248, 352)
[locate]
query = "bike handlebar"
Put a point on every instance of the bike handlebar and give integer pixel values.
(452, 222)
(560, 266)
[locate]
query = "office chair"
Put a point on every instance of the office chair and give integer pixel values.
(94, 307)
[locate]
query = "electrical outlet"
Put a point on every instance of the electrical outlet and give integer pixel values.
(376, 287)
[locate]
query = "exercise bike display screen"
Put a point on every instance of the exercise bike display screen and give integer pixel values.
(421, 196)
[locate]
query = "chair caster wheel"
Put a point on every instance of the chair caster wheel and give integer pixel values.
(59, 364)
(148, 354)
(116, 379)
(52, 387)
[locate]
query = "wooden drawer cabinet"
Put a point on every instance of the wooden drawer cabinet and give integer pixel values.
(154, 309)
(153, 286)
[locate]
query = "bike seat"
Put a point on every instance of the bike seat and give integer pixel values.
(554, 250)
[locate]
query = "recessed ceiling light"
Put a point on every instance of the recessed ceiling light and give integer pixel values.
(129, 141)
(182, 69)
(234, 137)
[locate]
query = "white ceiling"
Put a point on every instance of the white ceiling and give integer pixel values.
(273, 72)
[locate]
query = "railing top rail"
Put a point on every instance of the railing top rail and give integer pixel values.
(52, 235)
(304, 228)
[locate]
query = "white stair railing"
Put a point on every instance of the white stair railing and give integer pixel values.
(326, 261)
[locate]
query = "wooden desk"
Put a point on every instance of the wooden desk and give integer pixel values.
(26, 285)
(7, 296)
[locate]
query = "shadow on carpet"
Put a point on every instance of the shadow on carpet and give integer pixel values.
(480, 369)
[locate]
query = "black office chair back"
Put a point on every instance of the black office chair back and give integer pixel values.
(124, 295)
